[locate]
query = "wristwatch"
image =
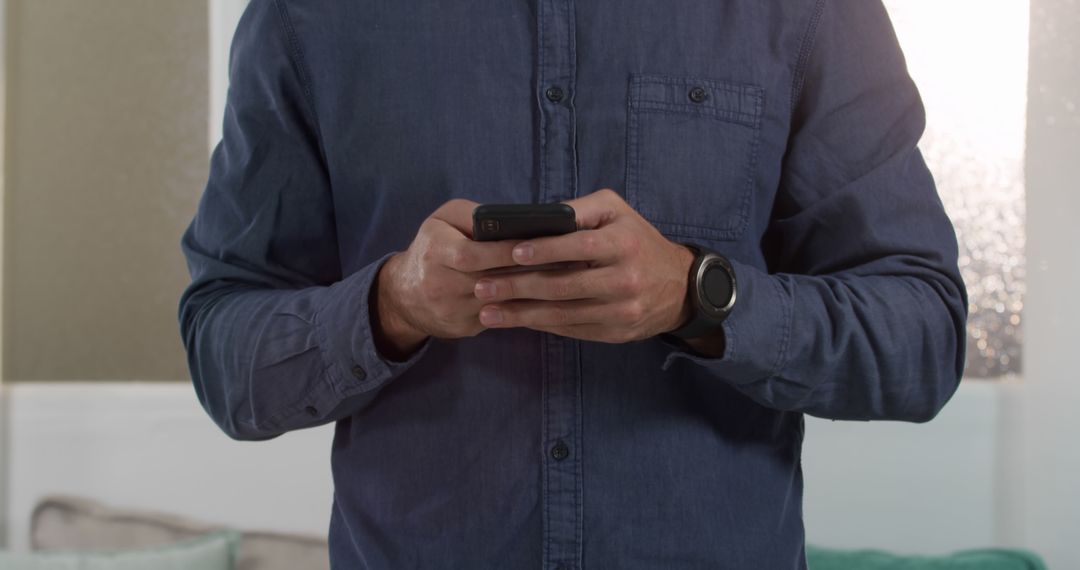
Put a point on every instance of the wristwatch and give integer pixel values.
(711, 291)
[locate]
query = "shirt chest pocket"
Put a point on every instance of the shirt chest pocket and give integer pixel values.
(690, 153)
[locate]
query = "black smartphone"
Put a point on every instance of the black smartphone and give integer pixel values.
(524, 221)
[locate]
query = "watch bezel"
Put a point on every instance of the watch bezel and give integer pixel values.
(708, 261)
(705, 317)
(705, 258)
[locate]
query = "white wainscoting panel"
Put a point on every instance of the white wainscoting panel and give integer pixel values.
(151, 446)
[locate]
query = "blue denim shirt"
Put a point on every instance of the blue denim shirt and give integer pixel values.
(347, 123)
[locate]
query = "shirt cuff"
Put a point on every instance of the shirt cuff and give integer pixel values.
(756, 332)
(344, 332)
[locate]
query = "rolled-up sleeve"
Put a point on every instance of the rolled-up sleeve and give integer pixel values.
(276, 337)
(861, 313)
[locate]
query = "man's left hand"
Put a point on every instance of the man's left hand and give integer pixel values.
(630, 285)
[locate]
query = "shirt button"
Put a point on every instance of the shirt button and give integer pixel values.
(554, 93)
(560, 451)
(697, 94)
(358, 372)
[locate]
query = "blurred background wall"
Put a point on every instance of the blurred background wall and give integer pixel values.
(112, 107)
(1040, 454)
(106, 127)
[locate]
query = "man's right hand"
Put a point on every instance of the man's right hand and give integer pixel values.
(427, 290)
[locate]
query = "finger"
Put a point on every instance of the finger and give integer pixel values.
(461, 253)
(458, 213)
(523, 268)
(448, 286)
(597, 209)
(583, 245)
(555, 285)
(531, 313)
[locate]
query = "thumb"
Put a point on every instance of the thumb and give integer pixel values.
(457, 213)
(597, 209)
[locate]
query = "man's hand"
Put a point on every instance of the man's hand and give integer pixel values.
(632, 285)
(427, 290)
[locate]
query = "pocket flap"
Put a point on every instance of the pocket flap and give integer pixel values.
(722, 99)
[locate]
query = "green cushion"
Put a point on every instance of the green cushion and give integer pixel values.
(819, 558)
(214, 551)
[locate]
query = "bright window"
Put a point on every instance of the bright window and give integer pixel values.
(970, 61)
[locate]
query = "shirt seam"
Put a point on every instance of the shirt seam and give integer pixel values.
(787, 311)
(807, 45)
(296, 54)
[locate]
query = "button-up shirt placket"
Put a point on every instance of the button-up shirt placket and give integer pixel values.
(561, 430)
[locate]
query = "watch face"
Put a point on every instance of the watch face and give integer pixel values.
(716, 287)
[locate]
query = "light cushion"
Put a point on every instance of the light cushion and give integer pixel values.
(820, 558)
(65, 522)
(214, 551)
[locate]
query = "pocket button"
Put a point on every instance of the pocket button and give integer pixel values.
(697, 94)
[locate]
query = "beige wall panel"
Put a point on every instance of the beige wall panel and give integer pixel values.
(106, 159)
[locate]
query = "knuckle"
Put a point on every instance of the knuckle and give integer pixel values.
(425, 225)
(633, 312)
(610, 194)
(460, 256)
(562, 288)
(631, 282)
(620, 286)
(589, 243)
(429, 255)
(560, 315)
(456, 203)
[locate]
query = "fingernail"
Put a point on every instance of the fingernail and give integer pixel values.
(490, 316)
(523, 252)
(485, 289)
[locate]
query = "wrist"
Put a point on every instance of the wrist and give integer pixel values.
(395, 338)
(686, 308)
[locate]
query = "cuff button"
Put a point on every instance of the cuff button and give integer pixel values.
(358, 372)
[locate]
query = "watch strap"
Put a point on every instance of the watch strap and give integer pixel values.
(697, 326)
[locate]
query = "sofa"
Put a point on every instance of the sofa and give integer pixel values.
(65, 523)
